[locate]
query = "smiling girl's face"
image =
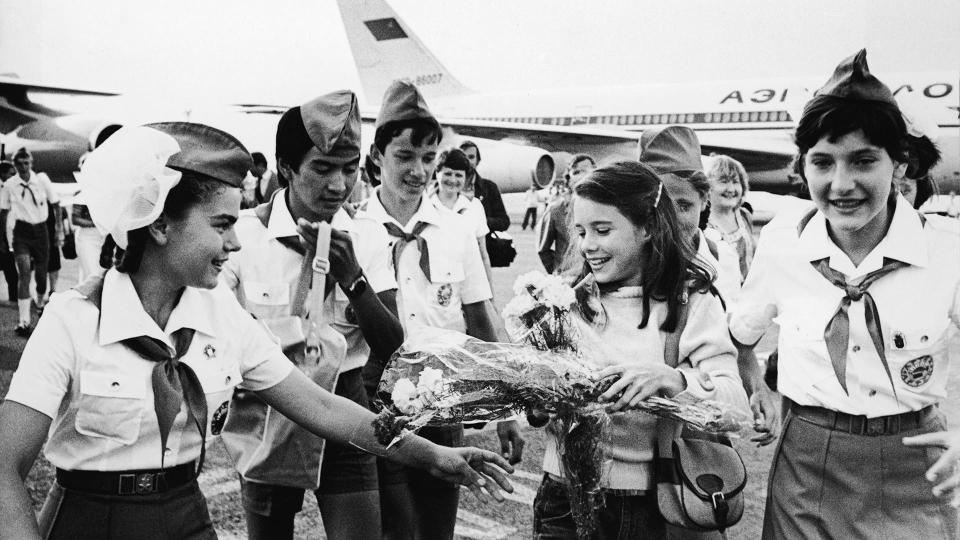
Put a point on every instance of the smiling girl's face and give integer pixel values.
(850, 181)
(611, 244)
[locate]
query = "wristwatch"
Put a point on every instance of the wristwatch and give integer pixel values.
(358, 287)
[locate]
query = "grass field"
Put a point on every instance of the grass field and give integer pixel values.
(511, 519)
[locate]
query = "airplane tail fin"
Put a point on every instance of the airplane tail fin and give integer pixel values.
(385, 49)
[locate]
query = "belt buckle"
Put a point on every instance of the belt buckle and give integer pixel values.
(146, 483)
(876, 426)
(126, 484)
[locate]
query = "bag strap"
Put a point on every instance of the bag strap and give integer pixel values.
(671, 343)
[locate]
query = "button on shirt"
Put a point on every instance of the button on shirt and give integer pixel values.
(919, 309)
(264, 275)
(455, 266)
(27, 201)
(98, 391)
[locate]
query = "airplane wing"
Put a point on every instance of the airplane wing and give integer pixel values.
(14, 85)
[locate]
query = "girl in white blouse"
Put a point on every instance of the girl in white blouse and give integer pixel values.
(130, 374)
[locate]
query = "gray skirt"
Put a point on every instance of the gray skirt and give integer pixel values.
(833, 484)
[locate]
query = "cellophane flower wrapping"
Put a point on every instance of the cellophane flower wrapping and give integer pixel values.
(440, 377)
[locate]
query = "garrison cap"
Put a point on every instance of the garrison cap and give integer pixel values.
(207, 151)
(403, 101)
(852, 80)
(332, 121)
(672, 149)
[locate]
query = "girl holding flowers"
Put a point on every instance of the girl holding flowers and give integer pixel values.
(646, 273)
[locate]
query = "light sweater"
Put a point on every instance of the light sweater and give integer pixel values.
(705, 342)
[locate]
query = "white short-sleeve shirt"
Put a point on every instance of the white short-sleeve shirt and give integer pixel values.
(264, 275)
(470, 209)
(726, 264)
(27, 201)
(456, 269)
(918, 305)
(98, 391)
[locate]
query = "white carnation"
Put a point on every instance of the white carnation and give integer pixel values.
(533, 278)
(559, 295)
(519, 306)
(431, 380)
(404, 396)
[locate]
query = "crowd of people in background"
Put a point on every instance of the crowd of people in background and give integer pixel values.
(129, 375)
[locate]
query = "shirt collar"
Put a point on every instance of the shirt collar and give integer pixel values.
(122, 315)
(281, 222)
(903, 241)
(427, 212)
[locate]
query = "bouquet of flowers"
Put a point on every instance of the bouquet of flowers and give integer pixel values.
(440, 377)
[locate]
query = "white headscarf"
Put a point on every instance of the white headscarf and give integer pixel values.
(125, 181)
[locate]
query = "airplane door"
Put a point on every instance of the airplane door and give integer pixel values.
(581, 115)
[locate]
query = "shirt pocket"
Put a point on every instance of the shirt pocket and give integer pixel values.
(917, 352)
(111, 406)
(267, 299)
(218, 384)
(446, 280)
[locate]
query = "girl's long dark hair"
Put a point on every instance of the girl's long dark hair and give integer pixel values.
(670, 266)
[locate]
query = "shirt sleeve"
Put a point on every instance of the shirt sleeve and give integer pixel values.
(263, 363)
(43, 377)
(756, 307)
(494, 211)
(476, 209)
(705, 342)
(476, 288)
(5, 197)
(48, 188)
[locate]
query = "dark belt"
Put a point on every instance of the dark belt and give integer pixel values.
(861, 425)
(128, 482)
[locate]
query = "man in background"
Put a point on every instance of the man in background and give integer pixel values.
(554, 231)
(487, 191)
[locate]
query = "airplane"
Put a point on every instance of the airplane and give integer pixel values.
(751, 121)
(58, 139)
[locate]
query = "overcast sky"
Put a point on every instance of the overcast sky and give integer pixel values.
(286, 51)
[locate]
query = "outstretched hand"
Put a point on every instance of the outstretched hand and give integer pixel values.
(945, 473)
(480, 470)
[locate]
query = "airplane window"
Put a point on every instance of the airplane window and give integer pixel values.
(753, 117)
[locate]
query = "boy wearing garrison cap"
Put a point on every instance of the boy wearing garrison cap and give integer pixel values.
(318, 156)
(441, 283)
(864, 290)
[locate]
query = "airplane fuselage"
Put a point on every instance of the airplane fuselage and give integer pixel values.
(762, 112)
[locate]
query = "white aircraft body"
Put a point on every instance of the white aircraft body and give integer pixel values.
(751, 121)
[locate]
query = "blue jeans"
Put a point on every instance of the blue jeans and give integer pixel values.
(622, 517)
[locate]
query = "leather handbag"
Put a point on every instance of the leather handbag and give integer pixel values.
(500, 249)
(69, 248)
(700, 476)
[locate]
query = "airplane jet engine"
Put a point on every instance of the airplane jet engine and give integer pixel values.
(512, 166)
(58, 143)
